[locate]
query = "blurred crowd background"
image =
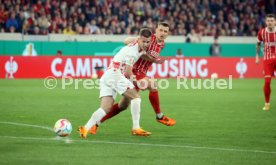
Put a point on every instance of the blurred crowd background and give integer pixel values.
(186, 17)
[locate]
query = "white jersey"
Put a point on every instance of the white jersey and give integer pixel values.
(128, 55)
(113, 81)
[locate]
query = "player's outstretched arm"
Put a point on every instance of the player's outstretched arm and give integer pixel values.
(258, 47)
(129, 40)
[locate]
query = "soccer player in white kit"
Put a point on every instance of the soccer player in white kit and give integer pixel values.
(116, 80)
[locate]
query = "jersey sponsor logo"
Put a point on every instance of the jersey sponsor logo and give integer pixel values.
(270, 44)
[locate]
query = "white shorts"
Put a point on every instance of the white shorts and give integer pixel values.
(113, 82)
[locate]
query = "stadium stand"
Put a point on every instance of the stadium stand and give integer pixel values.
(186, 17)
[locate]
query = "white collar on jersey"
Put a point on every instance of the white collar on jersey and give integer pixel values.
(266, 29)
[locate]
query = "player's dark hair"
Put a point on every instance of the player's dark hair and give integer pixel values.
(270, 16)
(145, 32)
(165, 24)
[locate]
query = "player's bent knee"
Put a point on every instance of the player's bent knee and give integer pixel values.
(106, 108)
(131, 94)
(136, 100)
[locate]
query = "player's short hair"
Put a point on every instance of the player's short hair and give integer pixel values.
(270, 16)
(165, 24)
(145, 32)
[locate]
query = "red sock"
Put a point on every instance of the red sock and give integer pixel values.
(267, 89)
(154, 100)
(114, 111)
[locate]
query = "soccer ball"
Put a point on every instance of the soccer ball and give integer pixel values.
(63, 127)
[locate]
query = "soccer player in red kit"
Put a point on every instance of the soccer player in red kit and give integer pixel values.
(267, 36)
(140, 69)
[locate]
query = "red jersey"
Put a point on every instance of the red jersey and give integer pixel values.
(142, 66)
(269, 42)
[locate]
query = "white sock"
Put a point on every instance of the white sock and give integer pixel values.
(135, 112)
(159, 115)
(96, 117)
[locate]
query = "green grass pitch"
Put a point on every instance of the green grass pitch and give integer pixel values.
(213, 127)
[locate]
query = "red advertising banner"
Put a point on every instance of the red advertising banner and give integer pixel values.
(84, 67)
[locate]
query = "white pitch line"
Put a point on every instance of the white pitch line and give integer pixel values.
(27, 125)
(143, 144)
(127, 143)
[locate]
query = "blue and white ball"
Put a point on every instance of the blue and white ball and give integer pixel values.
(63, 127)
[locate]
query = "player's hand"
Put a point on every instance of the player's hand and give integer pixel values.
(257, 59)
(160, 60)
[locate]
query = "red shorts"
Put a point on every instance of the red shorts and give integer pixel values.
(269, 67)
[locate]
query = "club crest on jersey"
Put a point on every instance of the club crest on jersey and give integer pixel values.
(152, 53)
